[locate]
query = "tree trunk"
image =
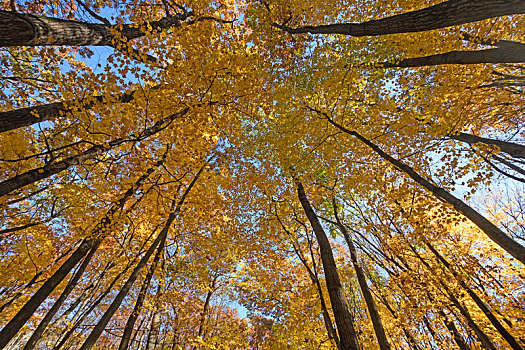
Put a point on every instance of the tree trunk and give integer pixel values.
(512, 149)
(492, 231)
(159, 241)
(454, 331)
(21, 29)
(37, 334)
(370, 303)
(445, 14)
(205, 308)
(128, 329)
(34, 175)
(343, 317)
(96, 236)
(492, 318)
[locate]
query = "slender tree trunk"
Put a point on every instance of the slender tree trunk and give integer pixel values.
(343, 317)
(128, 329)
(159, 241)
(454, 331)
(445, 14)
(34, 175)
(512, 149)
(492, 231)
(22, 29)
(370, 303)
(486, 310)
(205, 308)
(154, 330)
(96, 236)
(37, 334)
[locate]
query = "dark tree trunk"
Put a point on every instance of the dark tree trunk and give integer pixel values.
(37, 334)
(343, 317)
(159, 242)
(97, 235)
(370, 303)
(21, 29)
(128, 329)
(486, 310)
(454, 331)
(34, 175)
(497, 55)
(445, 14)
(512, 149)
(19, 118)
(492, 231)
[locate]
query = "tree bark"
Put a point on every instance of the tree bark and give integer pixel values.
(37, 334)
(512, 149)
(96, 237)
(445, 14)
(128, 329)
(492, 231)
(454, 331)
(361, 278)
(159, 241)
(21, 29)
(343, 317)
(486, 310)
(34, 175)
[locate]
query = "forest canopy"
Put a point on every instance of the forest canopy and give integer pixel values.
(266, 174)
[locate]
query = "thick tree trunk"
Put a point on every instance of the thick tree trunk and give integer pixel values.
(492, 231)
(343, 317)
(21, 29)
(512, 149)
(159, 241)
(477, 300)
(361, 278)
(34, 175)
(37, 334)
(497, 55)
(445, 14)
(19, 118)
(96, 236)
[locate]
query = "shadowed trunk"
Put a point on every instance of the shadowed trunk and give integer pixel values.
(34, 175)
(492, 231)
(512, 149)
(343, 317)
(445, 14)
(96, 235)
(370, 303)
(22, 29)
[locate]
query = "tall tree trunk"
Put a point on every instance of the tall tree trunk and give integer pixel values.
(492, 231)
(454, 331)
(445, 14)
(370, 303)
(159, 241)
(128, 329)
(34, 175)
(95, 238)
(22, 29)
(37, 334)
(154, 329)
(343, 317)
(477, 300)
(512, 149)
(205, 308)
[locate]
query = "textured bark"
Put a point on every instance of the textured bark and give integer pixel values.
(492, 231)
(445, 14)
(159, 242)
(497, 55)
(343, 317)
(96, 236)
(37, 334)
(34, 175)
(477, 300)
(512, 149)
(21, 29)
(361, 278)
